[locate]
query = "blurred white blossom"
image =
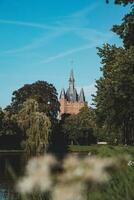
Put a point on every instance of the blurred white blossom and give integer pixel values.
(67, 182)
(38, 176)
(68, 191)
(131, 163)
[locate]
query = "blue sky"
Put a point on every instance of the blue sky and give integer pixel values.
(40, 38)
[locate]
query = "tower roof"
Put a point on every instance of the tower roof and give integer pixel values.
(71, 93)
(71, 79)
(82, 96)
(62, 94)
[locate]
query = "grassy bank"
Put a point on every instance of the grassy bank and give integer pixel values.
(100, 150)
(12, 151)
(120, 185)
(103, 150)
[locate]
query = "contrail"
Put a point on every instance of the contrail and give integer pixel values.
(61, 55)
(28, 24)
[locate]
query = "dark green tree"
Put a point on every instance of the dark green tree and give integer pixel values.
(44, 93)
(126, 29)
(1, 120)
(80, 128)
(9, 137)
(70, 129)
(114, 99)
(87, 125)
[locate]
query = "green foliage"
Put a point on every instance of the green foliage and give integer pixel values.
(79, 128)
(46, 96)
(114, 99)
(70, 128)
(126, 29)
(9, 125)
(1, 120)
(120, 186)
(10, 134)
(124, 2)
(44, 93)
(36, 126)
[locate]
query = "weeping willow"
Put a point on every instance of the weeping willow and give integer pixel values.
(36, 126)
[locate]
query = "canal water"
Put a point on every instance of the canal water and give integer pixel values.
(11, 168)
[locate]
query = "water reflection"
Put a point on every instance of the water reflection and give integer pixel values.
(11, 167)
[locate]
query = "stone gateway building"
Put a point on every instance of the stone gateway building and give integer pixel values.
(70, 101)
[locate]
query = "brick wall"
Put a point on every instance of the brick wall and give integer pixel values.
(70, 107)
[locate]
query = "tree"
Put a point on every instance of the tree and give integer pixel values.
(10, 134)
(114, 99)
(1, 120)
(80, 128)
(70, 128)
(124, 2)
(44, 93)
(87, 125)
(35, 125)
(126, 29)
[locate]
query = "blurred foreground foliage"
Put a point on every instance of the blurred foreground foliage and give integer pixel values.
(118, 187)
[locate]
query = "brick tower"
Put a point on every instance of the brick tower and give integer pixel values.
(70, 101)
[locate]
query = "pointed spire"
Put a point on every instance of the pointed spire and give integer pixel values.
(62, 94)
(71, 79)
(71, 94)
(82, 96)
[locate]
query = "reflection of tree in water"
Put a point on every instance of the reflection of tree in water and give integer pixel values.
(7, 193)
(11, 167)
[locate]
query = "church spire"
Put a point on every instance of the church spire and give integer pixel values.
(71, 79)
(82, 96)
(71, 93)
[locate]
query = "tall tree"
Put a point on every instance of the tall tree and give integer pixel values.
(35, 125)
(114, 99)
(44, 93)
(80, 128)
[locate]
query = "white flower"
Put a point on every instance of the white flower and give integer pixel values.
(38, 175)
(68, 184)
(131, 163)
(69, 192)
